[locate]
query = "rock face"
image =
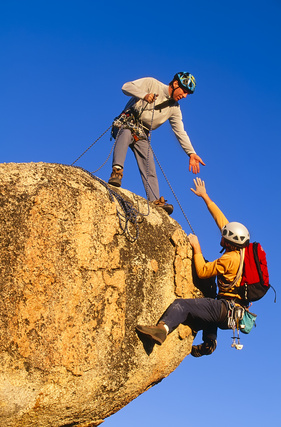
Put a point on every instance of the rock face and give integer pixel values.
(73, 286)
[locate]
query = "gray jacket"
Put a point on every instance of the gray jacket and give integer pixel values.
(137, 89)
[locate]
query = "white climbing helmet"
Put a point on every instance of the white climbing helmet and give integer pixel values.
(236, 233)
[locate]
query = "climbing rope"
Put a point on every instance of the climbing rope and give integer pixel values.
(131, 214)
(150, 148)
(108, 157)
(171, 188)
(78, 158)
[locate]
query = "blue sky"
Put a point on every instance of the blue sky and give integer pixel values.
(62, 67)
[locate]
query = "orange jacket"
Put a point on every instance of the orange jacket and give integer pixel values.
(225, 267)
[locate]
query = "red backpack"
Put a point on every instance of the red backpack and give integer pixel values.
(255, 279)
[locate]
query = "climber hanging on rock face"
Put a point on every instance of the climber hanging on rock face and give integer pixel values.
(207, 314)
(131, 129)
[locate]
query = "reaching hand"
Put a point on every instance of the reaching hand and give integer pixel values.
(200, 189)
(194, 163)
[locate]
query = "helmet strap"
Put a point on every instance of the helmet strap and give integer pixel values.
(174, 88)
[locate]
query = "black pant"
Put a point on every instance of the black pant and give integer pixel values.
(205, 314)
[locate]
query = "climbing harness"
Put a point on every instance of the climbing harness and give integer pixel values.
(128, 120)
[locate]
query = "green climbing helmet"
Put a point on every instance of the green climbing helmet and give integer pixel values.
(186, 81)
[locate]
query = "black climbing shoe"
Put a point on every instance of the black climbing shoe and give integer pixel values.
(116, 177)
(204, 349)
(161, 203)
(157, 333)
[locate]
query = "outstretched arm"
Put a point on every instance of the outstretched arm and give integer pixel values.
(194, 163)
(200, 190)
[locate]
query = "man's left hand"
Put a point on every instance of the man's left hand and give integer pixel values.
(194, 163)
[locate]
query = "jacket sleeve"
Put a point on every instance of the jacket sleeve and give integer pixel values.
(227, 266)
(218, 216)
(138, 88)
(178, 128)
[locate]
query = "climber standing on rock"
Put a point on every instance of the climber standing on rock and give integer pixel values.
(152, 103)
(207, 314)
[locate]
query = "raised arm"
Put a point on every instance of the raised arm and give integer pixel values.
(200, 191)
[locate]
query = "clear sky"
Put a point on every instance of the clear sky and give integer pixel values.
(63, 64)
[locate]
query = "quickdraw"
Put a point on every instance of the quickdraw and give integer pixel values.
(241, 319)
(235, 314)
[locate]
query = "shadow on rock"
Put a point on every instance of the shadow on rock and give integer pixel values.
(147, 342)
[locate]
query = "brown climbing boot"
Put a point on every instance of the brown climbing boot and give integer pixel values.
(204, 349)
(116, 177)
(157, 333)
(161, 203)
